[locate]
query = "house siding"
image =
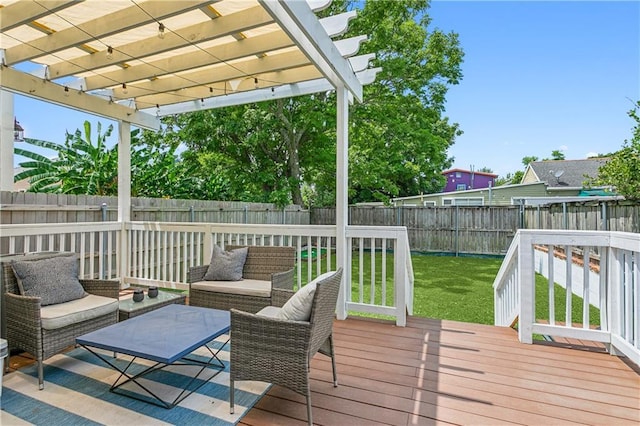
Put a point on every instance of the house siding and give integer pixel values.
(470, 180)
(498, 196)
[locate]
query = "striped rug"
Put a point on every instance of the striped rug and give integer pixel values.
(77, 385)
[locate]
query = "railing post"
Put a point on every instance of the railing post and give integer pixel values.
(399, 272)
(527, 289)
(105, 234)
(124, 254)
(207, 242)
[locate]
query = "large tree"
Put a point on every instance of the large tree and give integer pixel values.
(276, 151)
(622, 171)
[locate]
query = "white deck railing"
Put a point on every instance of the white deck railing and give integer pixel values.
(161, 253)
(615, 256)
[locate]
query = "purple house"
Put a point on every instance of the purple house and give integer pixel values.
(461, 180)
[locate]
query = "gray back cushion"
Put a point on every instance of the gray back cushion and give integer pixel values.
(226, 265)
(53, 280)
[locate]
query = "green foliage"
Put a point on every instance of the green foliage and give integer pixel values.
(528, 159)
(556, 154)
(622, 171)
(284, 151)
(81, 166)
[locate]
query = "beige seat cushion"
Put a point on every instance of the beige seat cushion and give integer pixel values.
(64, 314)
(269, 311)
(246, 287)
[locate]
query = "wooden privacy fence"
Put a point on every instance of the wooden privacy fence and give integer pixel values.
(590, 216)
(27, 207)
(455, 229)
(458, 229)
(484, 229)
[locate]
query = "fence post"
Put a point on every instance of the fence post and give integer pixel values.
(605, 221)
(457, 229)
(246, 214)
(192, 214)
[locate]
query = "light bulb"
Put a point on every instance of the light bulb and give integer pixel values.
(66, 92)
(124, 88)
(160, 30)
(255, 82)
(109, 52)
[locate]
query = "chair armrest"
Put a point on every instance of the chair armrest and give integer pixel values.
(106, 288)
(282, 280)
(270, 341)
(22, 311)
(196, 273)
(280, 296)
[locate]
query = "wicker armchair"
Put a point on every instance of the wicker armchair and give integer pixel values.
(268, 263)
(279, 351)
(23, 322)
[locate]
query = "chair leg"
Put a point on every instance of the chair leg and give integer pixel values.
(309, 418)
(333, 362)
(40, 374)
(231, 394)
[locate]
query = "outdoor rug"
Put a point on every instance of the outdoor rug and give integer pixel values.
(76, 392)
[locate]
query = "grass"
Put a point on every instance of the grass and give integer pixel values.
(457, 288)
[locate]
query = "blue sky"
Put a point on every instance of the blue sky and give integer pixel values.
(538, 76)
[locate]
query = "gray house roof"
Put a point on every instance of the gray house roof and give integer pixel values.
(566, 173)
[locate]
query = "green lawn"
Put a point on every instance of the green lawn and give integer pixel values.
(458, 288)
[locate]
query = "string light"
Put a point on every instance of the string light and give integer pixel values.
(66, 92)
(255, 82)
(109, 52)
(161, 30)
(124, 88)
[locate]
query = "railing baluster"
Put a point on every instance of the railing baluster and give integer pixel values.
(552, 300)
(568, 251)
(372, 249)
(586, 256)
(384, 272)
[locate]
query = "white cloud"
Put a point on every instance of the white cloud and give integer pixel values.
(591, 154)
(564, 148)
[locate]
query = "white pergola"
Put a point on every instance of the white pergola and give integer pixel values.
(134, 61)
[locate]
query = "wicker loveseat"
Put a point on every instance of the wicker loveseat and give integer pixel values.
(267, 280)
(44, 331)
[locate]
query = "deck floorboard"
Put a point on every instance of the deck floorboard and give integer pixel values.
(435, 372)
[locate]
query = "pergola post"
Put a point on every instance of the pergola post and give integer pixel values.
(342, 201)
(6, 141)
(124, 190)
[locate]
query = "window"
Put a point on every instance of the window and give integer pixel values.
(461, 187)
(470, 201)
(429, 203)
(458, 174)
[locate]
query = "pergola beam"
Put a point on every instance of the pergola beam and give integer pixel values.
(259, 95)
(181, 37)
(28, 85)
(300, 23)
(25, 12)
(103, 26)
(334, 25)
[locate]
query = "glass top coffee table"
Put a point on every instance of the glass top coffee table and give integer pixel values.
(129, 309)
(166, 337)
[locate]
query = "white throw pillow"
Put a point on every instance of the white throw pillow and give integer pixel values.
(298, 308)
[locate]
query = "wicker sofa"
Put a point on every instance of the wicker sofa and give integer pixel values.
(44, 331)
(267, 280)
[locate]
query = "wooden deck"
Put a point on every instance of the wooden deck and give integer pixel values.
(445, 372)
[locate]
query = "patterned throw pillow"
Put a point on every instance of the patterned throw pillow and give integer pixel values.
(226, 265)
(53, 280)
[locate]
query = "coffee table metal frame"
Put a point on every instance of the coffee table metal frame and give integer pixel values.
(180, 330)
